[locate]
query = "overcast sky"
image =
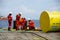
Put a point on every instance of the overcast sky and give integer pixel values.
(29, 8)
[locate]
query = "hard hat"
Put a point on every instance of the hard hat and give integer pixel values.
(29, 19)
(36, 28)
(20, 12)
(10, 12)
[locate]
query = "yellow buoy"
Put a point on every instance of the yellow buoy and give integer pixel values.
(50, 21)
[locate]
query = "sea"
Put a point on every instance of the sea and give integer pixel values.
(4, 23)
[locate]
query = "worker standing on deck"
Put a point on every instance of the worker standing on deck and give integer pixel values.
(9, 21)
(18, 16)
(31, 24)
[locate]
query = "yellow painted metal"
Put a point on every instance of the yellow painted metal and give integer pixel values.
(50, 21)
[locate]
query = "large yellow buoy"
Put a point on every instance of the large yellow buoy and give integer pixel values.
(50, 21)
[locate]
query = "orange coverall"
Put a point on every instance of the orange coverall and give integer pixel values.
(31, 25)
(17, 22)
(9, 22)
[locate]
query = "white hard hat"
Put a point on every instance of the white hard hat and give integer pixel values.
(36, 28)
(29, 19)
(10, 12)
(20, 12)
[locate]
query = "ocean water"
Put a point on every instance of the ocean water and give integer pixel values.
(4, 23)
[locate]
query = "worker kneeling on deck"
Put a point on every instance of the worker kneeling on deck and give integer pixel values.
(31, 24)
(23, 23)
(17, 24)
(9, 21)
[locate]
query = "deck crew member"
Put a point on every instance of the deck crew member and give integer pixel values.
(9, 21)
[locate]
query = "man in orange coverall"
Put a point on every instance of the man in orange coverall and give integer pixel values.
(9, 21)
(31, 24)
(18, 16)
(23, 23)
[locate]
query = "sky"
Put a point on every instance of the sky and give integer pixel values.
(29, 8)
